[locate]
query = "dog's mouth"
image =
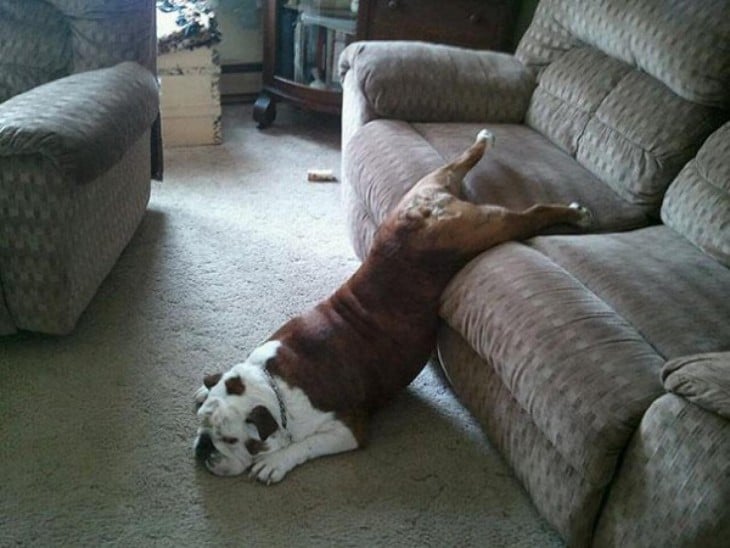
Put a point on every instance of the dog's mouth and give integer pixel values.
(204, 447)
(215, 461)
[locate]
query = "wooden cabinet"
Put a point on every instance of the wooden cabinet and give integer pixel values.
(481, 24)
(303, 40)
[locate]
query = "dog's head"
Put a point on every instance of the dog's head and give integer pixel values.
(236, 412)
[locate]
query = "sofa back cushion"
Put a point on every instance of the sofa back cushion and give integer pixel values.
(630, 89)
(35, 45)
(697, 204)
(107, 32)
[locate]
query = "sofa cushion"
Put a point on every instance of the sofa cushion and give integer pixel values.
(618, 91)
(578, 328)
(387, 157)
(677, 43)
(697, 204)
(703, 379)
(671, 292)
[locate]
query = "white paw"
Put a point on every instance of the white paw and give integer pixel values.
(586, 217)
(488, 136)
(201, 395)
(272, 467)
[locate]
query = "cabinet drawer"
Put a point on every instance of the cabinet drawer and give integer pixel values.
(484, 24)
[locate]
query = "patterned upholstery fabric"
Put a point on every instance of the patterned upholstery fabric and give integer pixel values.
(76, 123)
(703, 379)
(577, 329)
(36, 45)
(58, 243)
(454, 84)
(88, 121)
(557, 344)
(107, 32)
(674, 41)
(565, 498)
(621, 93)
(523, 169)
(44, 40)
(673, 488)
(583, 373)
(655, 280)
(698, 201)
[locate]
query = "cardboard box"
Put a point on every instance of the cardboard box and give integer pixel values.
(190, 97)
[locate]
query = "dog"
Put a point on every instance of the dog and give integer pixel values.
(309, 390)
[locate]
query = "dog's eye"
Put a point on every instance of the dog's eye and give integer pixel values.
(229, 440)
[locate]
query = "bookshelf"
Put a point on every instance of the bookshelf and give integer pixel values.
(302, 43)
(303, 40)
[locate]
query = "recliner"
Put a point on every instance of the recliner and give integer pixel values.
(79, 144)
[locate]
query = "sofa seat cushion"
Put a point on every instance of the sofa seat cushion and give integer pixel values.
(385, 158)
(578, 328)
(671, 292)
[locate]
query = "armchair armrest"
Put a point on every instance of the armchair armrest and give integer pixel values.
(703, 379)
(83, 123)
(424, 82)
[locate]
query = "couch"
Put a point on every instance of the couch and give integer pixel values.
(79, 143)
(598, 364)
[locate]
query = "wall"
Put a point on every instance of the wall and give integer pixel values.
(241, 49)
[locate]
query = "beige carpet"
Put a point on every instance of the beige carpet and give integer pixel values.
(97, 427)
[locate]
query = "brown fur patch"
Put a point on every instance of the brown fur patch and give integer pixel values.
(263, 420)
(357, 422)
(211, 380)
(365, 343)
(235, 386)
(255, 446)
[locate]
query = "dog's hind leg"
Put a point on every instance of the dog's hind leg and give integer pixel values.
(482, 227)
(451, 175)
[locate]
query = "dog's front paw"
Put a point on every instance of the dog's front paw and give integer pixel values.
(272, 467)
(585, 216)
(201, 394)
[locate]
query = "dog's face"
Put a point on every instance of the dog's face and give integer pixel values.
(236, 423)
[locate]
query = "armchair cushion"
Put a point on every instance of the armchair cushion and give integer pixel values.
(111, 31)
(703, 379)
(83, 123)
(36, 46)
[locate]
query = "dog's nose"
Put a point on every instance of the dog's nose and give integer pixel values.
(204, 447)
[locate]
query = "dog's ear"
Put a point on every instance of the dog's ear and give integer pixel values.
(211, 380)
(263, 420)
(235, 386)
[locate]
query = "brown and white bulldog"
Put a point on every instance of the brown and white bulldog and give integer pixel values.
(308, 390)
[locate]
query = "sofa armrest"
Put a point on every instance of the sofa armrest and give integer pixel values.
(703, 379)
(83, 123)
(423, 82)
(671, 488)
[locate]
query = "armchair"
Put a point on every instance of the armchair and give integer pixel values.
(79, 143)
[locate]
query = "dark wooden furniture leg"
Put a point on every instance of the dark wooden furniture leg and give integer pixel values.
(264, 111)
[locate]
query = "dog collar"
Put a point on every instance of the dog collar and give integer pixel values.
(277, 391)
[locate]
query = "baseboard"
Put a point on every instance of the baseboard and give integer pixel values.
(240, 80)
